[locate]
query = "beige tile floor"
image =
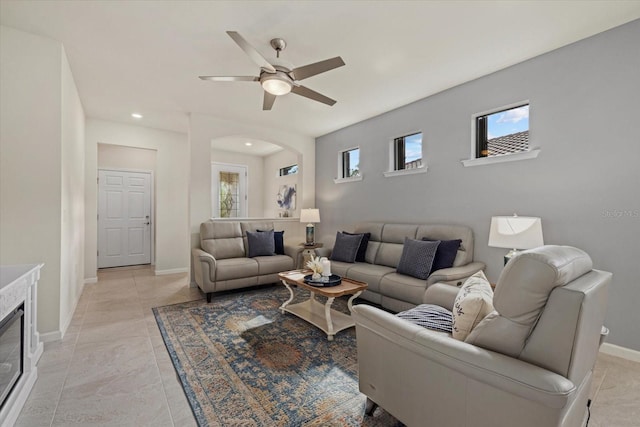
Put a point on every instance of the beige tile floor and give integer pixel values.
(112, 369)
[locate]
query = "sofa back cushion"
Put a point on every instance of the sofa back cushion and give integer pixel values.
(222, 239)
(392, 243)
(253, 226)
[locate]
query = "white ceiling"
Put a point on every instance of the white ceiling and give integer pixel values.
(145, 56)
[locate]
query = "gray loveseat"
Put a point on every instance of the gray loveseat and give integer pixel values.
(221, 263)
(398, 292)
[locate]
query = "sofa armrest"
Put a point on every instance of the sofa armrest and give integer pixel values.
(455, 273)
(437, 349)
(442, 294)
(293, 251)
(206, 271)
(326, 252)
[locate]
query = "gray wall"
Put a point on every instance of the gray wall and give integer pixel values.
(585, 184)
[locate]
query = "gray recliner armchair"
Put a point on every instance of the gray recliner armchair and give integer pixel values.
(529, 363)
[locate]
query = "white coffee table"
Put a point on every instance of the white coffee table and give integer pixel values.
(313, 311)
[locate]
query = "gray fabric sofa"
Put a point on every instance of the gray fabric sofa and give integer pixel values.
(398, 292)
(528, 364)
(221, 262)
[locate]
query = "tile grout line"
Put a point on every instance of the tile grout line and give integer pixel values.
(73, 352)
(155, 358)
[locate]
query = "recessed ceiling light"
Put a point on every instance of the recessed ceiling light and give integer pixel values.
(136, 115)
(248, 144)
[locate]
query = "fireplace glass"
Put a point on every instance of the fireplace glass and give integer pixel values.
(11, 336)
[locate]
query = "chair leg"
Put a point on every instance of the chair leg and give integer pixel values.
(209, 294)
(370, 407)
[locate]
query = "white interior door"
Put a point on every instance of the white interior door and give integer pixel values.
(229, 191)
(124, 218)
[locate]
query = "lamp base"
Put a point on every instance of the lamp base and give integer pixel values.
(310, 235)
(511, 254)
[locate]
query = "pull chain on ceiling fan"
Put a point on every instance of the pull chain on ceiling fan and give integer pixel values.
(279, 79)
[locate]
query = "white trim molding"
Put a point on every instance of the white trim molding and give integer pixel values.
(90, 280)
(171, 271)
(622, 352)
(350, 179)
(400, 172)
(513, 157)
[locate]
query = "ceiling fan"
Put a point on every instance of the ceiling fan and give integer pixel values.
(279, 77)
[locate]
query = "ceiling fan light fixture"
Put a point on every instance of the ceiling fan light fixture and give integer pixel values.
(276, 84)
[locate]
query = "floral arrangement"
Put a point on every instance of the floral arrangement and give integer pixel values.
(315, 265)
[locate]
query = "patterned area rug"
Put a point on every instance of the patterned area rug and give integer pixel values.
(243, 363)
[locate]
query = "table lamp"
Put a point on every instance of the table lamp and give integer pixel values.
(310, 216)
(515, 232)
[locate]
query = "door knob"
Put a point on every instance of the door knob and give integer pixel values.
(147, 223)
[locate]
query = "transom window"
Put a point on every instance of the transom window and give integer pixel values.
(289, 170)
(503, 131)
(407, 152)
(350, 163)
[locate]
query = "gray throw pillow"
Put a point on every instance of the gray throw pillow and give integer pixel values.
(417, 257)
(346, 247)
(261, 243)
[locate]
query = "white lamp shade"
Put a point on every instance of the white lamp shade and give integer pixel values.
(310, 215)
(515, 232)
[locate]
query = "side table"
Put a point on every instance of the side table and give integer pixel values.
(307, 252)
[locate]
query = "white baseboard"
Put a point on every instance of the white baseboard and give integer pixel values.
(51, 336)
(622, 352)
(90, 280)
(171, 271)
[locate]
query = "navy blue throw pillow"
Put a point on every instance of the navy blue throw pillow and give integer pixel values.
(446, 253)
(278, 238)
(362, 249)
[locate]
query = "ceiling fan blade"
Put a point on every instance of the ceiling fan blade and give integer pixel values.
(268, 101)
(231, 78)
(305, 71)
(251, 51)
(312, 94)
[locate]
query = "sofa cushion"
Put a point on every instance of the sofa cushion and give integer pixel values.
(417, 257)
(445, 255)
(260, 243)
(473, 303)
(346, 247)
(371, 274)
(403, 288)
(236, 268)
(362, 249)
(278, 238)
(273, 264)
(429, 316)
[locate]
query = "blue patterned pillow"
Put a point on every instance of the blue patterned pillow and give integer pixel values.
(429, 316)
(346, 247)
(417, 257)
(261, 243)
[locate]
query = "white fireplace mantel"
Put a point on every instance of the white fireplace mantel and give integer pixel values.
(18, 284)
